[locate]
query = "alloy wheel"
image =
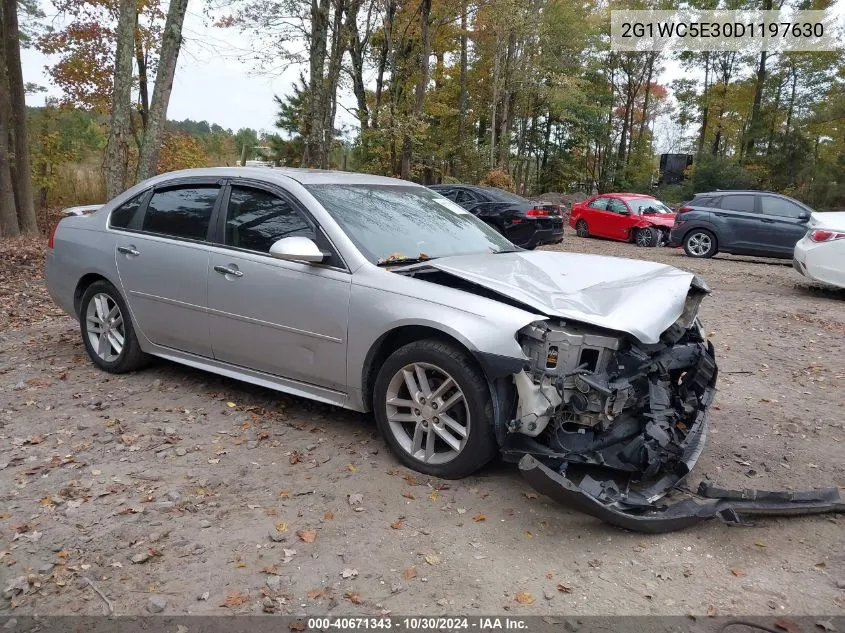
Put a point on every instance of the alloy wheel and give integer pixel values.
(105, 328)
(699, 244)
(644, 237)
(427, 413)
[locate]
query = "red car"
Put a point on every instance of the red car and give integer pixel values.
(627, 217)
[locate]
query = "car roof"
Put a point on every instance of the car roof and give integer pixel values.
(302, 176)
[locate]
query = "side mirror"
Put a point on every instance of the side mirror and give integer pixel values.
(297, 249)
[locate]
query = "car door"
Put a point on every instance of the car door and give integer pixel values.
(738, 223)
(162, 259)
(280, 317)
(598, 217)
(618, 219)
(785, 222)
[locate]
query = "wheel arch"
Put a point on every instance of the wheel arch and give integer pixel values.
(701, 227)
(83, 284)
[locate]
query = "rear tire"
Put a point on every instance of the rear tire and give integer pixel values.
(700, 243)
(440, 423)
(581, 229)
(107, 330)
(647, 237)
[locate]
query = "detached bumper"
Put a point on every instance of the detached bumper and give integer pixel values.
(633, 514)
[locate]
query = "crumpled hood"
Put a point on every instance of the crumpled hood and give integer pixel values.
(661, 219)
(633, 296)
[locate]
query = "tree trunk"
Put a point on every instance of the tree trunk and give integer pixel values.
(314, 110)
(419, 97)
(705, 104)
(755, 124)
(117, 150)
(462, 99)
(143, 88)
(8, 210)
(644, 121)
(357, 52)
(24, 199)
(384, 53)
(171, 42)
(329, 97)
(494, 104)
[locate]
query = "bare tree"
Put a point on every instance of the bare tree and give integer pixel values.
(117, 150)
(22, 174)
(8, 211)
(171, 42)
(419, 97)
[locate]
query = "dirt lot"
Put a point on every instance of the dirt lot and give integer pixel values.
(175, 490)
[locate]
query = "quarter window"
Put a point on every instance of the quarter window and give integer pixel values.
(258, 218)
(184, 212)
(738, 203)
(780, 207)
(126, 215)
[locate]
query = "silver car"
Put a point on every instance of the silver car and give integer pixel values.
(379, 295)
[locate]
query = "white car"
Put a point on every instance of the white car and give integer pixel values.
(820, 255)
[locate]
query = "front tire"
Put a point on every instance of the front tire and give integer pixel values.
(647, 237)
(433, 408)
(700, 243)
(107, 331)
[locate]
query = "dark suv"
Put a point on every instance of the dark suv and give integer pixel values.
(740, 222)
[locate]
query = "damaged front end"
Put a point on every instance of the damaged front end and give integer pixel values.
(609, 426)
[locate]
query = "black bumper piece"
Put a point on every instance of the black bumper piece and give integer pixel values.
(728, 505)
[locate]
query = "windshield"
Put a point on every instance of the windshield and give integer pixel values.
(390, 223)
(639, 205)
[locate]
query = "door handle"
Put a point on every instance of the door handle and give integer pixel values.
(721, 215)
(223, 270)
(767, 221)
(128, 250)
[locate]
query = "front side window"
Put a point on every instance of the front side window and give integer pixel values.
(739, 203)
(650, 205)
(183, 212)
(126, 215)
(390, 223)
(599, 203)
(784, 208)
(256, 218)
(615, 205)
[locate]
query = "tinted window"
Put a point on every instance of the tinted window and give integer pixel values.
(616, 206)
(703, 201)
(778, 206)
(125, 214)
(599, 203)
(464, 198)
(500, 195)
(389, 223)
(258, 218)
(738, 203)
(183, 212)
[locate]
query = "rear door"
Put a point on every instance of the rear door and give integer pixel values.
(785, 222)
(280, 317)
(738, 223)
(162, 260)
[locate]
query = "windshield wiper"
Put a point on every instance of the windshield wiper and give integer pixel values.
(397, 259)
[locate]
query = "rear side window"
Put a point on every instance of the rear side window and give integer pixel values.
(126, 215)
(257, 218)
(778, 206)
(183, 212)
(599, 203)
(738, 203)
(704, 201)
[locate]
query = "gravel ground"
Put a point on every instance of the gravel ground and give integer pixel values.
(175, 491)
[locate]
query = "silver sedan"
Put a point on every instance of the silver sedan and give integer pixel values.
(379, 295)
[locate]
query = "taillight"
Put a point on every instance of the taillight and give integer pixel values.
(537, 213)
(51, 240)
(823, 235)
(684, 209)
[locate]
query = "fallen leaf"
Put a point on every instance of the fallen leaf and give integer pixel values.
(281, 527)
(549, 575)
(528, 534)
(353, 597)
(234, 599)
(231, 405)
(529, 495)
(297, 625)
(739, 573)
(272, 570)
(47, 501)
(397, 524)
(760, 543)
(433, 495)
(523, 597)
(36, 439)
(284, 494)
(787, 625)
(314, 593)
(408, 494)
(352, 468)
(410, 480)
(307, 536)
(328, 515)
(432, 559)
(295, 457)
(564, 588)
(479, 517)
(409, 573)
